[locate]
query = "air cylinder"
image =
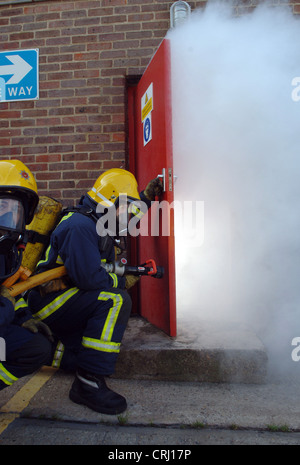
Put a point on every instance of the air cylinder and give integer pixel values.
(44, 221)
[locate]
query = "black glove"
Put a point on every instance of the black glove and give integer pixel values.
(153, 189)
(36, 326)
(5, 293)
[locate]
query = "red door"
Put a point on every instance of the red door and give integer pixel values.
(150, 155)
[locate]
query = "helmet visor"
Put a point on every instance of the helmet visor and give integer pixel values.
(11, 214)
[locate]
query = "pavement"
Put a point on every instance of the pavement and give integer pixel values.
(209, 385)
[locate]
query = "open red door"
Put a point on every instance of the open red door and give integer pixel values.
(150, 155)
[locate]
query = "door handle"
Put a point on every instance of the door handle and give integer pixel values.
(171, 181)
(162, 176)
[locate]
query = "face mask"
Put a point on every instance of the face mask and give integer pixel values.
(8, 240)
(127, 208)
(12, 223)
(10, 263)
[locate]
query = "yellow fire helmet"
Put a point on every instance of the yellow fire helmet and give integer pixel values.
(16, 179)
(113, 183)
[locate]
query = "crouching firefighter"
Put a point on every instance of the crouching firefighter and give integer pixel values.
(26, 347)
(88, 312)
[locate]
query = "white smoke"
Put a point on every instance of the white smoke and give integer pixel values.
(236, 147)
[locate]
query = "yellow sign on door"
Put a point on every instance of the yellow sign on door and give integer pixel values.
(147, 102)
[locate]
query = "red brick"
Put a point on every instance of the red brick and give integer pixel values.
(75, 174)
(65, 184)
(48, 158)
(4, 142)
(21, 141)
(61, 166)
(9, 133)
(8, 151)
(9, 114)
(34, 149)
(47, 176)
(11, 11)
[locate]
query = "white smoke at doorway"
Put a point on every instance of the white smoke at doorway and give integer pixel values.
(236, 148)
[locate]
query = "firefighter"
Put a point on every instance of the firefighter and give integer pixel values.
(26, 347)
(88, 312)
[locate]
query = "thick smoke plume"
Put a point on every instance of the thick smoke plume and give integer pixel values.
(236, 136)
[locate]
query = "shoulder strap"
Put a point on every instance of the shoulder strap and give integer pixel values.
(87, 211)
(105, 241)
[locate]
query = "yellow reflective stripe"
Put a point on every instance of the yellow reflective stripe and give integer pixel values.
(105, 343)
(58, 355)
(46, 256)
(6, 376)
(136, 211)
(46, 311)
(112, 314)
(20, 304)
(49, 248)
(59, 260)
(66, 217)
(102, 346)
(114, 278)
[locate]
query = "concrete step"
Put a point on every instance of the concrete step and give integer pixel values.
(204, 351)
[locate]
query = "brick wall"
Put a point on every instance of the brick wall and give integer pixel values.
(88, 50)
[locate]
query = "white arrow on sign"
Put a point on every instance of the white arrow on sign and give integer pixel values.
(18, 69)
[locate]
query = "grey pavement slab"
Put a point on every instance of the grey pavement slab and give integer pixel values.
(165, 403)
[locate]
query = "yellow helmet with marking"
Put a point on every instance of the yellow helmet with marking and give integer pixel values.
(113, 183)
(16, 179)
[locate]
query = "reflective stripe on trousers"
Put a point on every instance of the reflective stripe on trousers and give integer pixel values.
(46, 311)
(58, 355)
(6, 377)
(105, 344)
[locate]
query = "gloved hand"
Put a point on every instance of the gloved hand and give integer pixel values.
(5, 293)
(153, 189)
(130, 280)
(36, 326)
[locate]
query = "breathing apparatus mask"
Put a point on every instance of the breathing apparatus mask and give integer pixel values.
(12, 229)
(114, 194)
(129, 212)
(18, 201)
(114, 221)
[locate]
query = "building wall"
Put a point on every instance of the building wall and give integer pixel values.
(89, 51)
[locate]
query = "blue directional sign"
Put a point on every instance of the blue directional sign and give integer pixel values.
(19, 75)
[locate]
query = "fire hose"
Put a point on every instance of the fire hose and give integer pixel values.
(120, 268)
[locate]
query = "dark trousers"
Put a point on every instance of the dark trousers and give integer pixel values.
(25, 353)
(88, 326)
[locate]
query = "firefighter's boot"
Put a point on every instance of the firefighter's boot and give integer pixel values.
(92, 391)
